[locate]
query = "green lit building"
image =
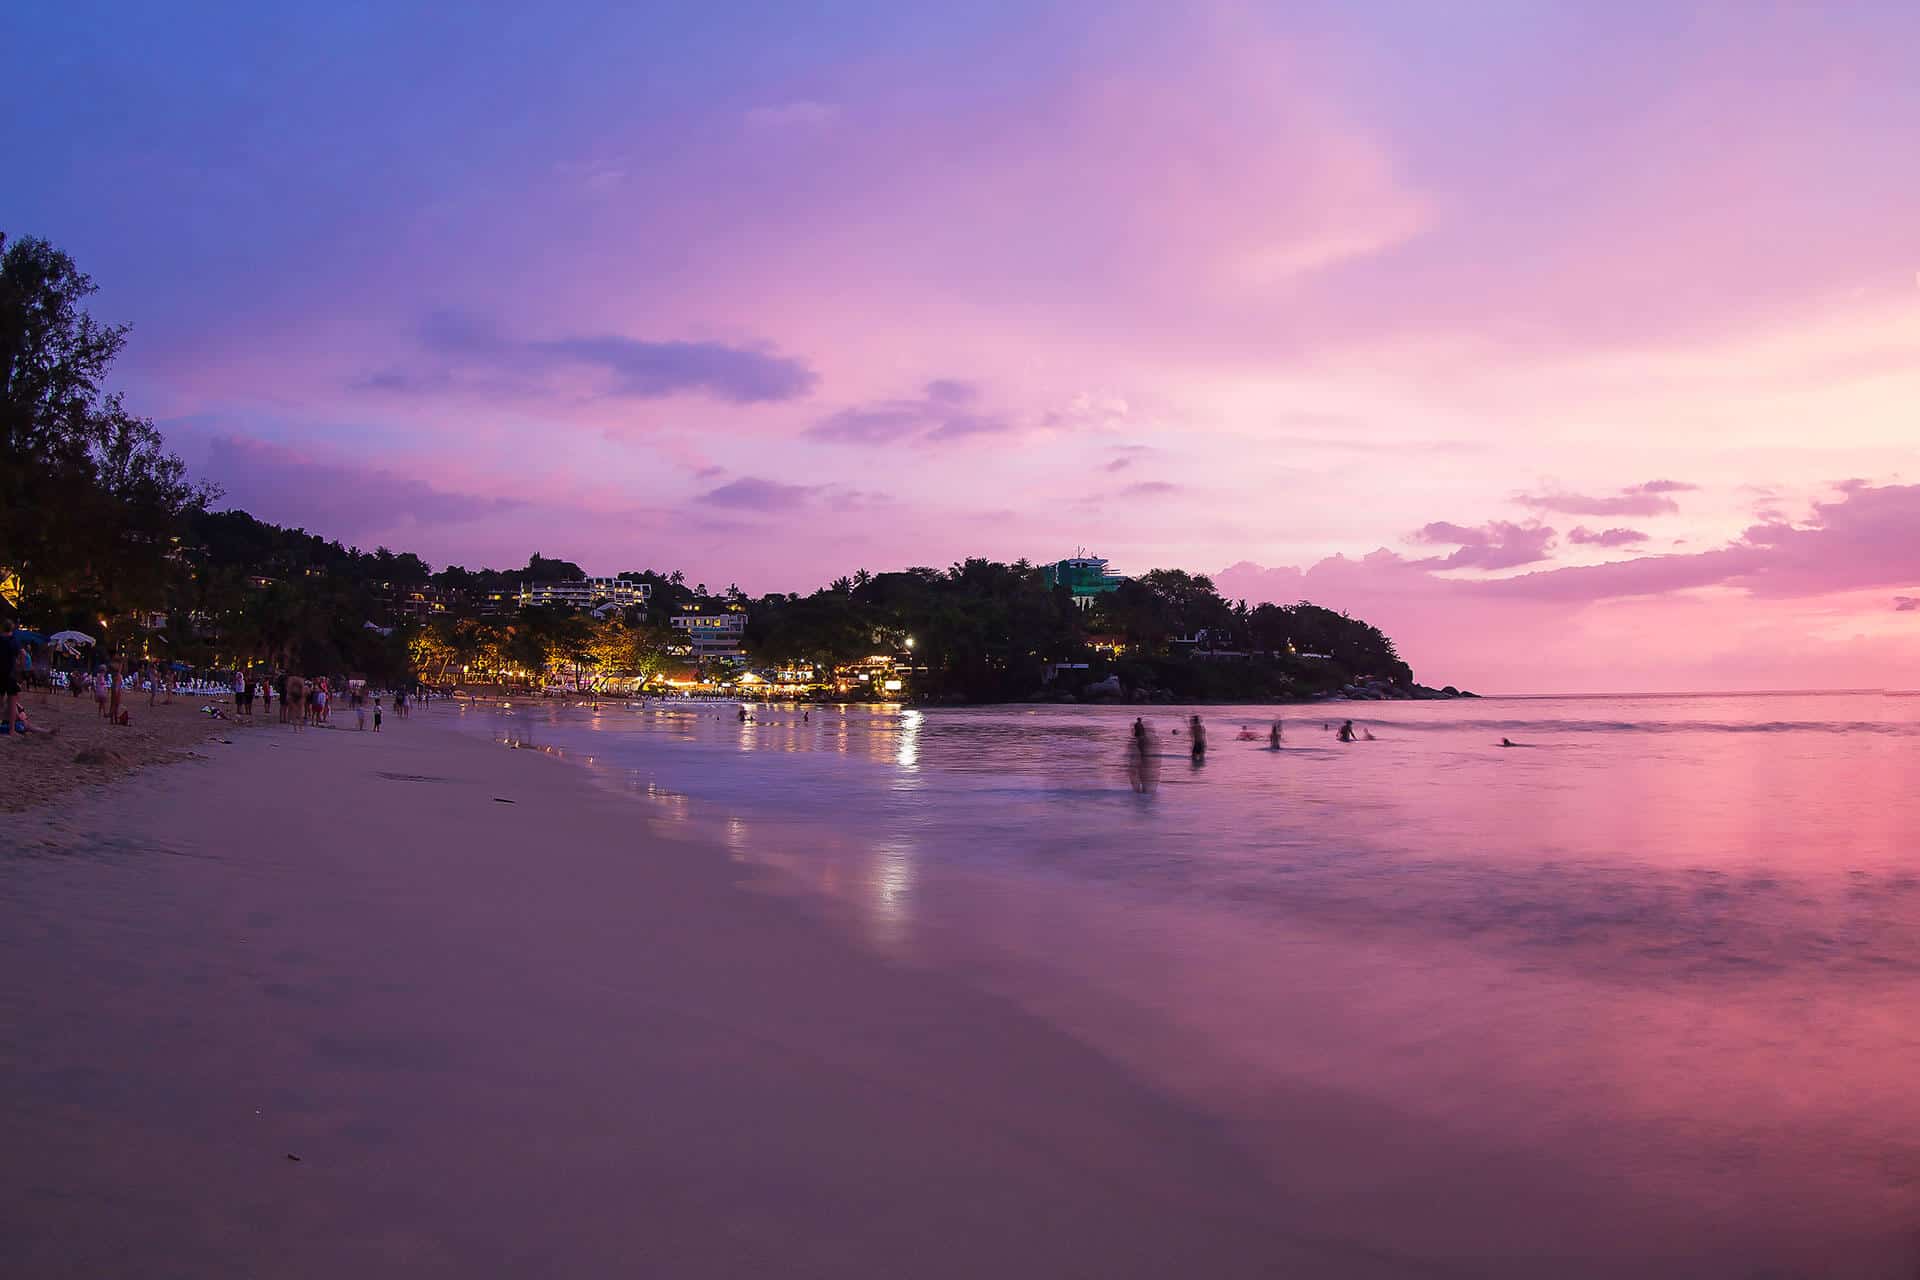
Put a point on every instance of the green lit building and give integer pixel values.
(1084, 576)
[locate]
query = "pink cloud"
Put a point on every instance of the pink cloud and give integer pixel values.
(456, 343)
(1498, 544)
(1550, 623)
(772, 497)
(339, 498)
(942, 412)
(1649, 499)
(1615, 537)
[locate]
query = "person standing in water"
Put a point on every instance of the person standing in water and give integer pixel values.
(1273, 737)
(1141, 767)
(1198, 733)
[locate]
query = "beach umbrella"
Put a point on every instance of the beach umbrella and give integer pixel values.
(67, 639)
(179, 666)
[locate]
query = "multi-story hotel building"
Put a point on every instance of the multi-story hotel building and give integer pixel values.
(585, 593)
(715, 633)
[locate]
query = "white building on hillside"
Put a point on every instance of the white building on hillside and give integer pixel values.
(716, 634)
(585, 593)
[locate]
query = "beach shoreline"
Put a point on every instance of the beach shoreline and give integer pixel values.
(1416, 1039)
(416, 1004)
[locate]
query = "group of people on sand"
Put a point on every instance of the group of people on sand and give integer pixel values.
(310, 701)
(304, 700)
(112, 683)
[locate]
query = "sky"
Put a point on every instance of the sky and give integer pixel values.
(1575, 345)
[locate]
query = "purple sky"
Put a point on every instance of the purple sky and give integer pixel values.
(1577, 345)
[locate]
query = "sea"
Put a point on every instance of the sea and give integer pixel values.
(1637, 993)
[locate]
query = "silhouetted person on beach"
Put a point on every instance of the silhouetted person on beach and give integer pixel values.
(1199, 732)
(1142, 768)
(1346, 732)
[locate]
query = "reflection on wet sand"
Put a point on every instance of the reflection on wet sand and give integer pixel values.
(1652, 982)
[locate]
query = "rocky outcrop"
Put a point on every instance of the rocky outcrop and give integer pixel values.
(1387, 691)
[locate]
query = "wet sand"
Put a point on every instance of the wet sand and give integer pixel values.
(535, 1038)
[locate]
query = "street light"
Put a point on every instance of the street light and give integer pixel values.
(909, 642)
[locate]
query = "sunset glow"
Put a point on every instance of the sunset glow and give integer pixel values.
(1577, 350)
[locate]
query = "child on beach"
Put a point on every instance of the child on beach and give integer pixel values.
(376, 715)
(100, 690)
(360, 711)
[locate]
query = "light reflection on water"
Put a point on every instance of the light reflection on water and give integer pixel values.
(1645, 986)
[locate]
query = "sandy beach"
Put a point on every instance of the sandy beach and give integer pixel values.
(327, 1004)
(73, 748)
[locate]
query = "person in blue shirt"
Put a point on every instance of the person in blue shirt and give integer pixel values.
(13, 642)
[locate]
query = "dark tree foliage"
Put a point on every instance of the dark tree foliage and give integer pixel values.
(91, 502)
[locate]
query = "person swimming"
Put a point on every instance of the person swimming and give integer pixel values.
(1346, 732)
(1508, 742)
